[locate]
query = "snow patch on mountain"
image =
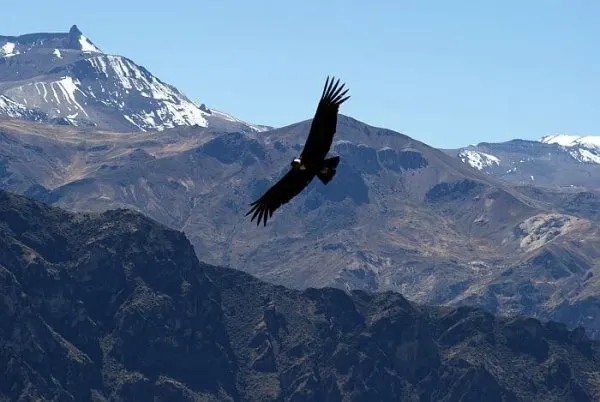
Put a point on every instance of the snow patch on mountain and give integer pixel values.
(478, 160)
(10, 108)
(8, 50)
(168, 115)
(226, 116)
(589, 141)
(130, 76)
(172, 109)
(69, 87)
(582, 148)
(87, 46)
(585, 155)
(59, 95)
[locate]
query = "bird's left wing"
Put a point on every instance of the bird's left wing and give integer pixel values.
(280, 193)
(323, 126)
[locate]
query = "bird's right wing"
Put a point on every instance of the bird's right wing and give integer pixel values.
(280, 193)
(324, 122)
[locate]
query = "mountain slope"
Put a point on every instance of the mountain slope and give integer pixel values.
(399, 216)
(65, 78)
(114, 306)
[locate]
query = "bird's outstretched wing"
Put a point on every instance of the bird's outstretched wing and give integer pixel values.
(324, 123)
(280, 193)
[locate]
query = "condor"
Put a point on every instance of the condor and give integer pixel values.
(311, 161)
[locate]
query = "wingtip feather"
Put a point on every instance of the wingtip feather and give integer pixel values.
(328, 91)
(333, 92)
(344, 100)
(325, 88)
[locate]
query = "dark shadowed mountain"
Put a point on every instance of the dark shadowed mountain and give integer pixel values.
(558, 160)
(114, 306)
(399, 215)
(64, 78)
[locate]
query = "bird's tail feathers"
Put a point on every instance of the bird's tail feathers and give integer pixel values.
(328, 170)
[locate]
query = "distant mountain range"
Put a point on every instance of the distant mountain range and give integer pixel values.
(556, 160)
(114, 306)
(65, 78)
(446, 227)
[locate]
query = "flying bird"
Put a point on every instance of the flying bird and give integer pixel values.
(311, 161)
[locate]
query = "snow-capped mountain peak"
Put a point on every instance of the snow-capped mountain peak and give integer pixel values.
(66, 76)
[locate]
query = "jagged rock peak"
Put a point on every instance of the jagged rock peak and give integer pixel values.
(74, 31)
(74, 39)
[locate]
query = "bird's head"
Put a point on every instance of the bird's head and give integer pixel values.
(296, 163)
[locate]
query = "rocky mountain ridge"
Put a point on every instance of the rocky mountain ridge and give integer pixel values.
(114, 306)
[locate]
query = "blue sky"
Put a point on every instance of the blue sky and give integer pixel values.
(448, 73)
